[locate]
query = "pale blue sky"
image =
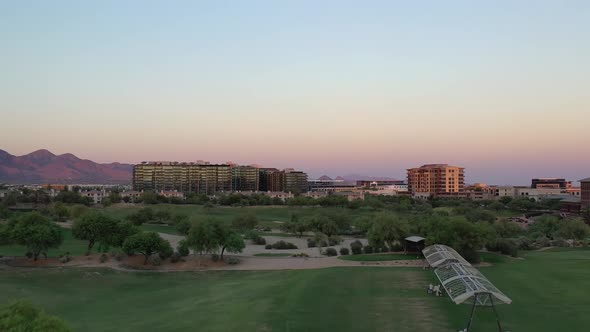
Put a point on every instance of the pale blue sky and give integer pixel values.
(375, 87)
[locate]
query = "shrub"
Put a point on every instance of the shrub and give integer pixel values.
(268, 246)
(543, 241)
(29, 254)
(301, 254)
(334, 240)
(175, 257)
(396, 247)
(64, 259)
(283, 245)
(368, 249)
(119, 256)
(257, 239)
(330, 252)
(560, 243)
(472, 256)
(344, 251)
(507, 247)
(215, 257)
(233, 260)
(311, 243)
(182, 248)
(155, 260)
(356, 247)
(103, 258)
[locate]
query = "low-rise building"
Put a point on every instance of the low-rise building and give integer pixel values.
(96, 196)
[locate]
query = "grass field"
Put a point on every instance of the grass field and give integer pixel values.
(549, 290)
(378, 257)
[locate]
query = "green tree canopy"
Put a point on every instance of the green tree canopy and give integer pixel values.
(37, 233)
(22, 316)
(387, 229)
(147, 244)
(95, 227)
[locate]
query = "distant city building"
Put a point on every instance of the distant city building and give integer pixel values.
(554, 183)
(271, 179)
(295, 181)
(96, 196)
(378, 183)
(585, 193)
(202, 178)
(245, 178)
(326, 184)
(436, 180)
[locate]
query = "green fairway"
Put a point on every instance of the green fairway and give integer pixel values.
(337, 299)
(159, 228)
(379, 257)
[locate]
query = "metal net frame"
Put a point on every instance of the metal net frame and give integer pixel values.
(440, 255)
(465, 284)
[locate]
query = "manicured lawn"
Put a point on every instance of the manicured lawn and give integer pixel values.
(378, 257)
(159, 229)
(337, 299)
(549, 290)
(273, 255)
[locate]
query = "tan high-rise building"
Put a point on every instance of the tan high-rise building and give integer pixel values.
(585, 193)
(245, 178)
(184, 177)
(436, 180)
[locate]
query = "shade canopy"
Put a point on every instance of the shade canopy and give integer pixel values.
(465, 284)
(440, 255)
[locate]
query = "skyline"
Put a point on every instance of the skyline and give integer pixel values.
(332, 88)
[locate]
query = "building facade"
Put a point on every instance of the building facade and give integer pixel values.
(295, 181)
(436, 180)
(585, 193)
(245, 178)
(550, 183)
(183, 177)
(271, 179)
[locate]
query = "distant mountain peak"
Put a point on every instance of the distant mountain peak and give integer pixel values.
(325, 178)
(42, 166)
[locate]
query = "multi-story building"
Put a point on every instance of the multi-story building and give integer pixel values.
(271, 179)
(295, 181)
(379, 183)
(550, 183)
(585, 193)
(184, 177)
(436, 180)
(245, 178)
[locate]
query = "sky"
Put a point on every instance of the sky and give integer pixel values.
(501, 88)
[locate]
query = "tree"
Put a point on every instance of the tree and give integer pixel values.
(95, 227)
(387, 230)
(202, 236)
(245, 222)
(143, 215)
(125, 229)
(24, 317)
(115, 197)
(147, 244)
(505, 200)
(296, 226)
(149, 197)
(574, 229)
(232, 242)
(36, 233)
(61, 212)
(162, 215)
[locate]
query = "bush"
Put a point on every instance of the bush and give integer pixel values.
(215, 257)
(560, 243)
(268, 246)
(233, 260)
(29, 254)
(334, 240)
(155, 260)
(182, 248)
(119, 256)
(281, 245)
(301, 254)
(472, 256)
(330, 252)
(368, 249)
(175, 258)
(543, 241)
(507, 247)
(344, 251)
(103, 258)
(356, 247)
(259, 240)
(311, 243)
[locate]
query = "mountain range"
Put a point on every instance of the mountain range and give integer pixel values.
(42, 166)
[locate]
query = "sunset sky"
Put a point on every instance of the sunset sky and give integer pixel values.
(330, 87)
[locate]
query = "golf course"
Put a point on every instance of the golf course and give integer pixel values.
(549, 290)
